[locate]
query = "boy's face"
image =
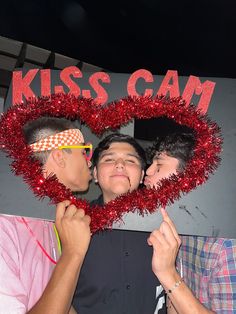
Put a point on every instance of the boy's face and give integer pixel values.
(71, 168)
(118, 170)
(77, 173)
(162, 167)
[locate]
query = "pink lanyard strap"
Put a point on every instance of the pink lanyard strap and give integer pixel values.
(37, 241)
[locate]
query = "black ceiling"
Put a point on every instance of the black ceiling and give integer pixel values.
(193, 37)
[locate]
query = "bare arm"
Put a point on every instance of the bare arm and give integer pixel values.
(170, 307)
(166, 243)
(73, 228)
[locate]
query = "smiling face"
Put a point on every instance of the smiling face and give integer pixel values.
(162, 167)
(118, 170)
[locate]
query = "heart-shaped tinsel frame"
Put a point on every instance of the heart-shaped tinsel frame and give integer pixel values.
(112, 116)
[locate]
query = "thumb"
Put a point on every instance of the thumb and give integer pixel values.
(60, 210)
(149, 241)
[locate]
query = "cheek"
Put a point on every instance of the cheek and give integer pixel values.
(135, 174)
(164, 173)
(79, 168)
(103, 173)
(156, 177)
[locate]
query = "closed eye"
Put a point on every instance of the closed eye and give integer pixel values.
(108, 160)
(158, 167)
(131, 161)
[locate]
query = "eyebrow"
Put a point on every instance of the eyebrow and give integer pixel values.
(158, 158)
(114, 153)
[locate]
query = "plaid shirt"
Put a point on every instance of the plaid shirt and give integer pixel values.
(208, 266)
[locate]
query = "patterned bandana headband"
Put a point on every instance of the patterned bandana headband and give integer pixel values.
(65, 138)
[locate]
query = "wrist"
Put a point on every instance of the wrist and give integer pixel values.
(72, 256)
(168, 279)
(174, 286)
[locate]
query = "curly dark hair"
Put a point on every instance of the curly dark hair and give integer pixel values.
(179, 145)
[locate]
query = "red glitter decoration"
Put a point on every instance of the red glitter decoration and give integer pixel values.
(99, 119)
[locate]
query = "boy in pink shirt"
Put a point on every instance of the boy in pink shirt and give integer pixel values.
(35, 277)
(24, 267)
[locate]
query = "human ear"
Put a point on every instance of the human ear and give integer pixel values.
(142, 176)
(58, 157)
(95, 175)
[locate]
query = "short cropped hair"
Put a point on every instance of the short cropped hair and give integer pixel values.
(43, 127)
(178, 145)
(119, 138)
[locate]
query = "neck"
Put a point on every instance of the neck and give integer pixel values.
(109, 197)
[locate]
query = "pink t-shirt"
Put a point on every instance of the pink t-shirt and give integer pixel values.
(24, 268)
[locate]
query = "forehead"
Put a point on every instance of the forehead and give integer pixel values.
(165, 159)
(120, 148)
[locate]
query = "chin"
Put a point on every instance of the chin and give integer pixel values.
(147, 186)
(80, 188)
(119, 192)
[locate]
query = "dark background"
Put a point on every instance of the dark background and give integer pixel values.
(193, 37)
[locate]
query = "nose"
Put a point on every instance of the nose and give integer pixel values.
(120, 163)
(150, 170)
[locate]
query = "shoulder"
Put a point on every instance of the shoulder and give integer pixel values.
(9, 243)
(8, 225)
(227, 251)
(213, 250)
(16, 229)
(8, 218)
(206, 244)
(218, 246)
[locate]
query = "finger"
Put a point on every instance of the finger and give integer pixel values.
(165, 214)
(87, 219)
(168, 234)
(157, 238)
(149, 241)
(167, 219)
(79, 213)
(61, 208)
(70, 211)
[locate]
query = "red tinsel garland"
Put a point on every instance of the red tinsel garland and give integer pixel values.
(99, 119)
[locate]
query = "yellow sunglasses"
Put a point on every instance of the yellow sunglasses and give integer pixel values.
(88, 149)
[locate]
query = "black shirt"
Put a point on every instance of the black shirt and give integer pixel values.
(116, 276)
